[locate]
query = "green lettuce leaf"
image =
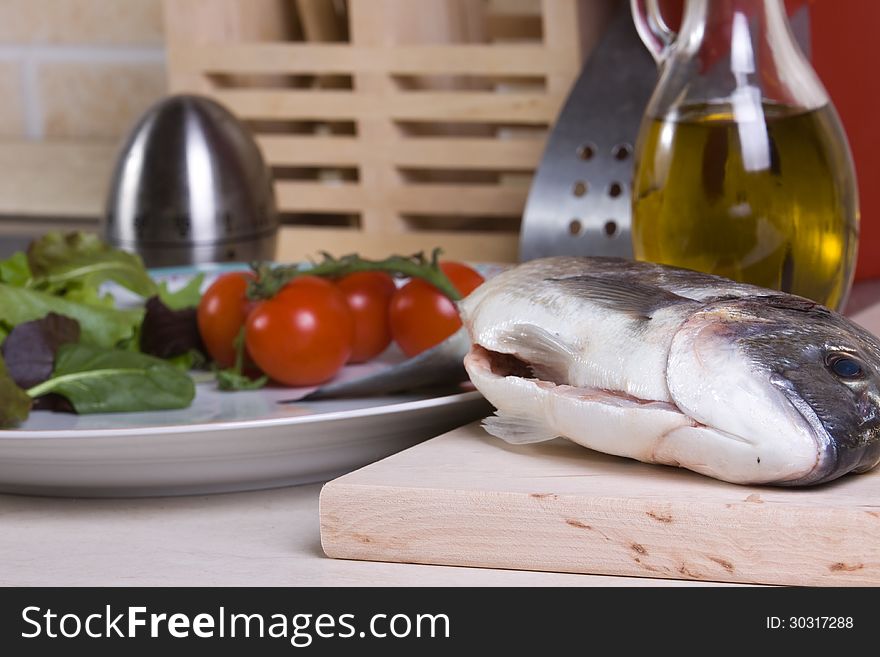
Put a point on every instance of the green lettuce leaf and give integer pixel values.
(229, 381)
(15, 270)
(104, 327)
(191, 360)
(89, 295)
(15, 405)
(83, 260)
(99, 380)
(186, 297)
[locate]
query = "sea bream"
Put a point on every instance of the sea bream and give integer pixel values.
(672, 366)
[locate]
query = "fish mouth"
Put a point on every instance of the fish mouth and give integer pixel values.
(502, 365)
(833, 462)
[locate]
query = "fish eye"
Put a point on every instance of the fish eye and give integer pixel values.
(844, 366)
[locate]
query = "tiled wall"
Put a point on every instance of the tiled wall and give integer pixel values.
(78, 69)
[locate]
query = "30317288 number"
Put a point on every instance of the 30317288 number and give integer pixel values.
(810, 623)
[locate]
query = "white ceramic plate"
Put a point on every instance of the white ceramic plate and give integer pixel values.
(223, 442)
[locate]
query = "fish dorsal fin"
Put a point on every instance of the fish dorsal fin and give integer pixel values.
(548, 357)
(636, 299)
(517, 429)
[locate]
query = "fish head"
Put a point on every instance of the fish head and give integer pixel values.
(829, 369)
(791, 376)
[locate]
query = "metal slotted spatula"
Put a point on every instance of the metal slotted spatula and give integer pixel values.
(579, 203)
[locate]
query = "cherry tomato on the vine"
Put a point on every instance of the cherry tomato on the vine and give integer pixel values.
(464, 278)
(369, 295)
(302, 336)
(222, 312)
(421, 316)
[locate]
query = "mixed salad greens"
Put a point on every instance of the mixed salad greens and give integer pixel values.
(65, 344)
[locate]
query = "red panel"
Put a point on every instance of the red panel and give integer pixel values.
(846, 54)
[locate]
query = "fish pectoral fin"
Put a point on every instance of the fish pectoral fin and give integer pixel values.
(517, 429)
(624, 296)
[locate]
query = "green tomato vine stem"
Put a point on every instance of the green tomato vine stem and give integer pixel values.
(270, 279)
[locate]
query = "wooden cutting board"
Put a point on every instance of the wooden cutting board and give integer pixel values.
(468, 499)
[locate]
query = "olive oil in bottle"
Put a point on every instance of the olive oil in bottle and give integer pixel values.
(769, 201)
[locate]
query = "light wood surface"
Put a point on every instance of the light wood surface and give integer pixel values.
(299, 244)
(332, 150)
(54, 179)
(434, 59)
(264, 538)
(468, 499)
(450, 199)
(230, 21)
(283, 104)
(441, 126)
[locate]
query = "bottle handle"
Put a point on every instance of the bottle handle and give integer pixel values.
(653, 30)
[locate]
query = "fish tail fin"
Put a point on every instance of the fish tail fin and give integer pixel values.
(518, 429)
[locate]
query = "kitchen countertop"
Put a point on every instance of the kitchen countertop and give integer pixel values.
(261, 538)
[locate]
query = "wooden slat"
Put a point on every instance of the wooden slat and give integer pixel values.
(298, 243)
(536, 108)
(477, 200)
(471, 60)
(467, 59)
(432, 199)
(559, 18)
(294, 105)
(467, 153)
(370, 26)
(415, 152)
(533, 108)
(571, 31)
(287, 150)
(297, 196)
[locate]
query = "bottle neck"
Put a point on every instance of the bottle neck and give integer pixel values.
(715, 13)
(748, 43)
(738, 27)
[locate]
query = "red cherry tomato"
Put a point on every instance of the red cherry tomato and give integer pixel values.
(221, 314)
(303, 336)
(421, 316)
(465, 279)
(369, 295)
